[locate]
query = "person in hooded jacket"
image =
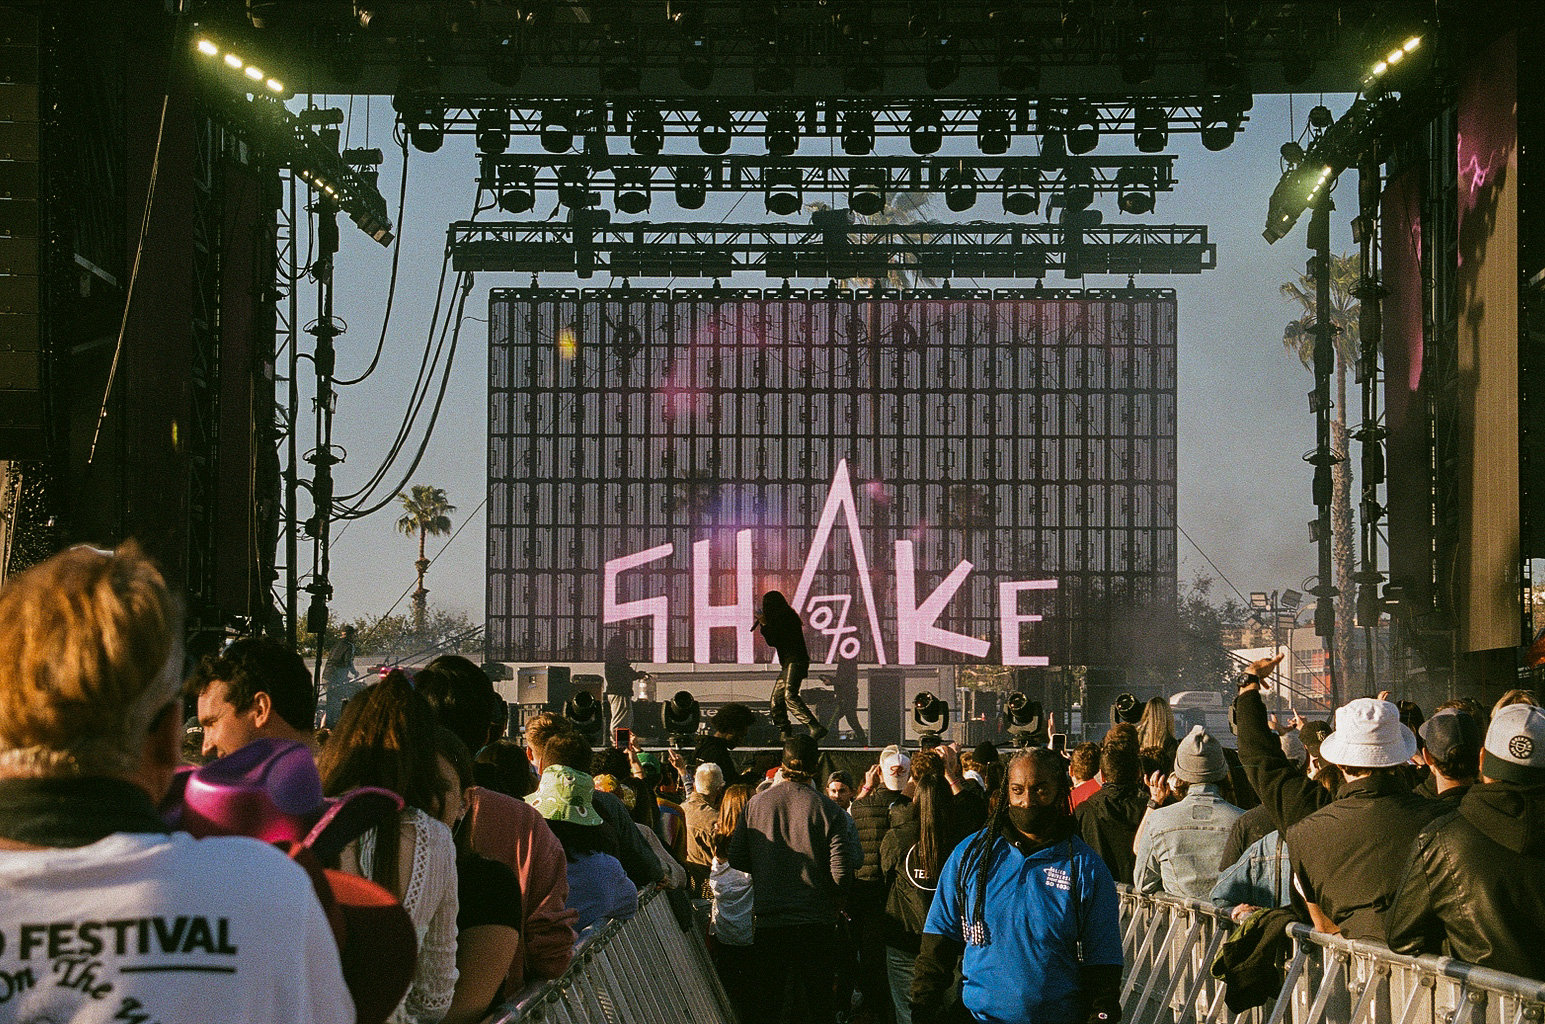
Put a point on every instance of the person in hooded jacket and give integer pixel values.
(1475, 887)
(785, 633)
(1108, 819)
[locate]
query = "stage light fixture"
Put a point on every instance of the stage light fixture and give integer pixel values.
(1299, 188)
(505, 61)
(697, 62)
(858, 132)
(943, 61)
(925, 128)
(1019, 64)
(1024, 720)
(1373, 82)
(584, 711)
(631, 191)
(782, 132)
(1220, 123)
(715, 128)
(493, 130)
(1021, 191)
(1150, 129)
(691, 187)
(251, 78)
(1054, 149)
(426, 129)
(771, 72)
(866, 190)
(574, 188)
(1083, 128)
(782, 186)
(516, 187)
(647, 135)
(1078, 188)
(557, 129)
(993, 132)
(680, 717)
(930, 714)
(1135, 189)
(959, 188)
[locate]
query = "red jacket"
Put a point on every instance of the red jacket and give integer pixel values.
(513, 832)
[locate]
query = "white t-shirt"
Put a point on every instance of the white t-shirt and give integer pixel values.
(165, 929)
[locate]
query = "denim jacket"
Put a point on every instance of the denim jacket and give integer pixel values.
(1180, 845)
(1261, 877)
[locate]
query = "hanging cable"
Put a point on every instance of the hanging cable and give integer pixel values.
(391, 286)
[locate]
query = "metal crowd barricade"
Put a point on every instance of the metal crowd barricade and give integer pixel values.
(645, 970)
(1170, 943)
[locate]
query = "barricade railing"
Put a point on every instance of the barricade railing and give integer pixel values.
(1170, 944)
(645, 970)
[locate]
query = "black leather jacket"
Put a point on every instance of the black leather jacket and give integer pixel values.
(1476, 883)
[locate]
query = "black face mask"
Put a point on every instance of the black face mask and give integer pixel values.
(1031, 820)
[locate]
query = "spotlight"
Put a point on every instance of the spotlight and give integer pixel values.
(783, 190)
(1220, 123)
(858, 132)
(1019, 64)
(959, 188)
(993, 132)
(925, 128)
(1135, 189)
(715, 127)
(516, 187)
(574, 188)
(782, 132)
(1083, 128)
(866, 190)
(697, 63)
(1021, 192)
(557, 130)
(505, 61)
(931, 715)
(691, 187)
(648, 131)
(1299, 188)
(1150, 130)
(1374, 82)
(1292, 153)
(632, 190)
(680, 717)
(1025, 720)
(584, 711)
(493, 130)
(1054, 149)
(1320, 117)
(427, 132)
(1078, 188)
(943, 61)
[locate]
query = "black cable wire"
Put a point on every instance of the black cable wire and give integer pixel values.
(434, 416)
(391, 286)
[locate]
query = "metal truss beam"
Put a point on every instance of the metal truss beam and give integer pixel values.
(806, 251)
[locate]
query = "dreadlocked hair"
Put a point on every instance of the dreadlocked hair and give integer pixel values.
(980, 848)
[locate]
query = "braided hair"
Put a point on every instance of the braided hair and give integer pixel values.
(980, 848)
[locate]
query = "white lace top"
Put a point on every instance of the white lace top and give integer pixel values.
(429, 896)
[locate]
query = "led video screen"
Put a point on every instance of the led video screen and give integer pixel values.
(928, 477)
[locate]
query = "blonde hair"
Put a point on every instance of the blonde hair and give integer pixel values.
(93, 653)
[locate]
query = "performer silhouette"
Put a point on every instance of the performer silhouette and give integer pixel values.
(785, 633)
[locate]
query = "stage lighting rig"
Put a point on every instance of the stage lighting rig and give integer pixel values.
(493, 130)
(632, 190)
(866, 192)
(925, 128)
(783, 190)
(771, 71)
(1019, 63)
(238, 70)
(782, 132)
(556, 129)
(1082, 122)
(1150, 129)
(584, 711)
(858, 132)
(691, 187)
(715, 129)
(931, 715)
(943, 61)
(646, 130)
(1389, 67)
(1078, 187)
(506, 63)
(1221, 121)
(1024, 720)
(680, 717)
(1021, 192)
(514, 185)
(620, 69)
(574, 188)
(696, 61)
(1136, 53)
(1135, 189)
(993, 132)
(959, 188)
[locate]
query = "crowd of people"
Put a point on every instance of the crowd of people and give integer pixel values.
(415, 864)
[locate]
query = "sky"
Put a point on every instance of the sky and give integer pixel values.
(1244, 420)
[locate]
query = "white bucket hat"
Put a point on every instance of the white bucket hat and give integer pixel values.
(1369, 734)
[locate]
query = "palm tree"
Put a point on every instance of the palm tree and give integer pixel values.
(1298, 337)
(426, 512)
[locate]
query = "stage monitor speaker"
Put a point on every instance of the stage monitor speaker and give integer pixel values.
(885, 726)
